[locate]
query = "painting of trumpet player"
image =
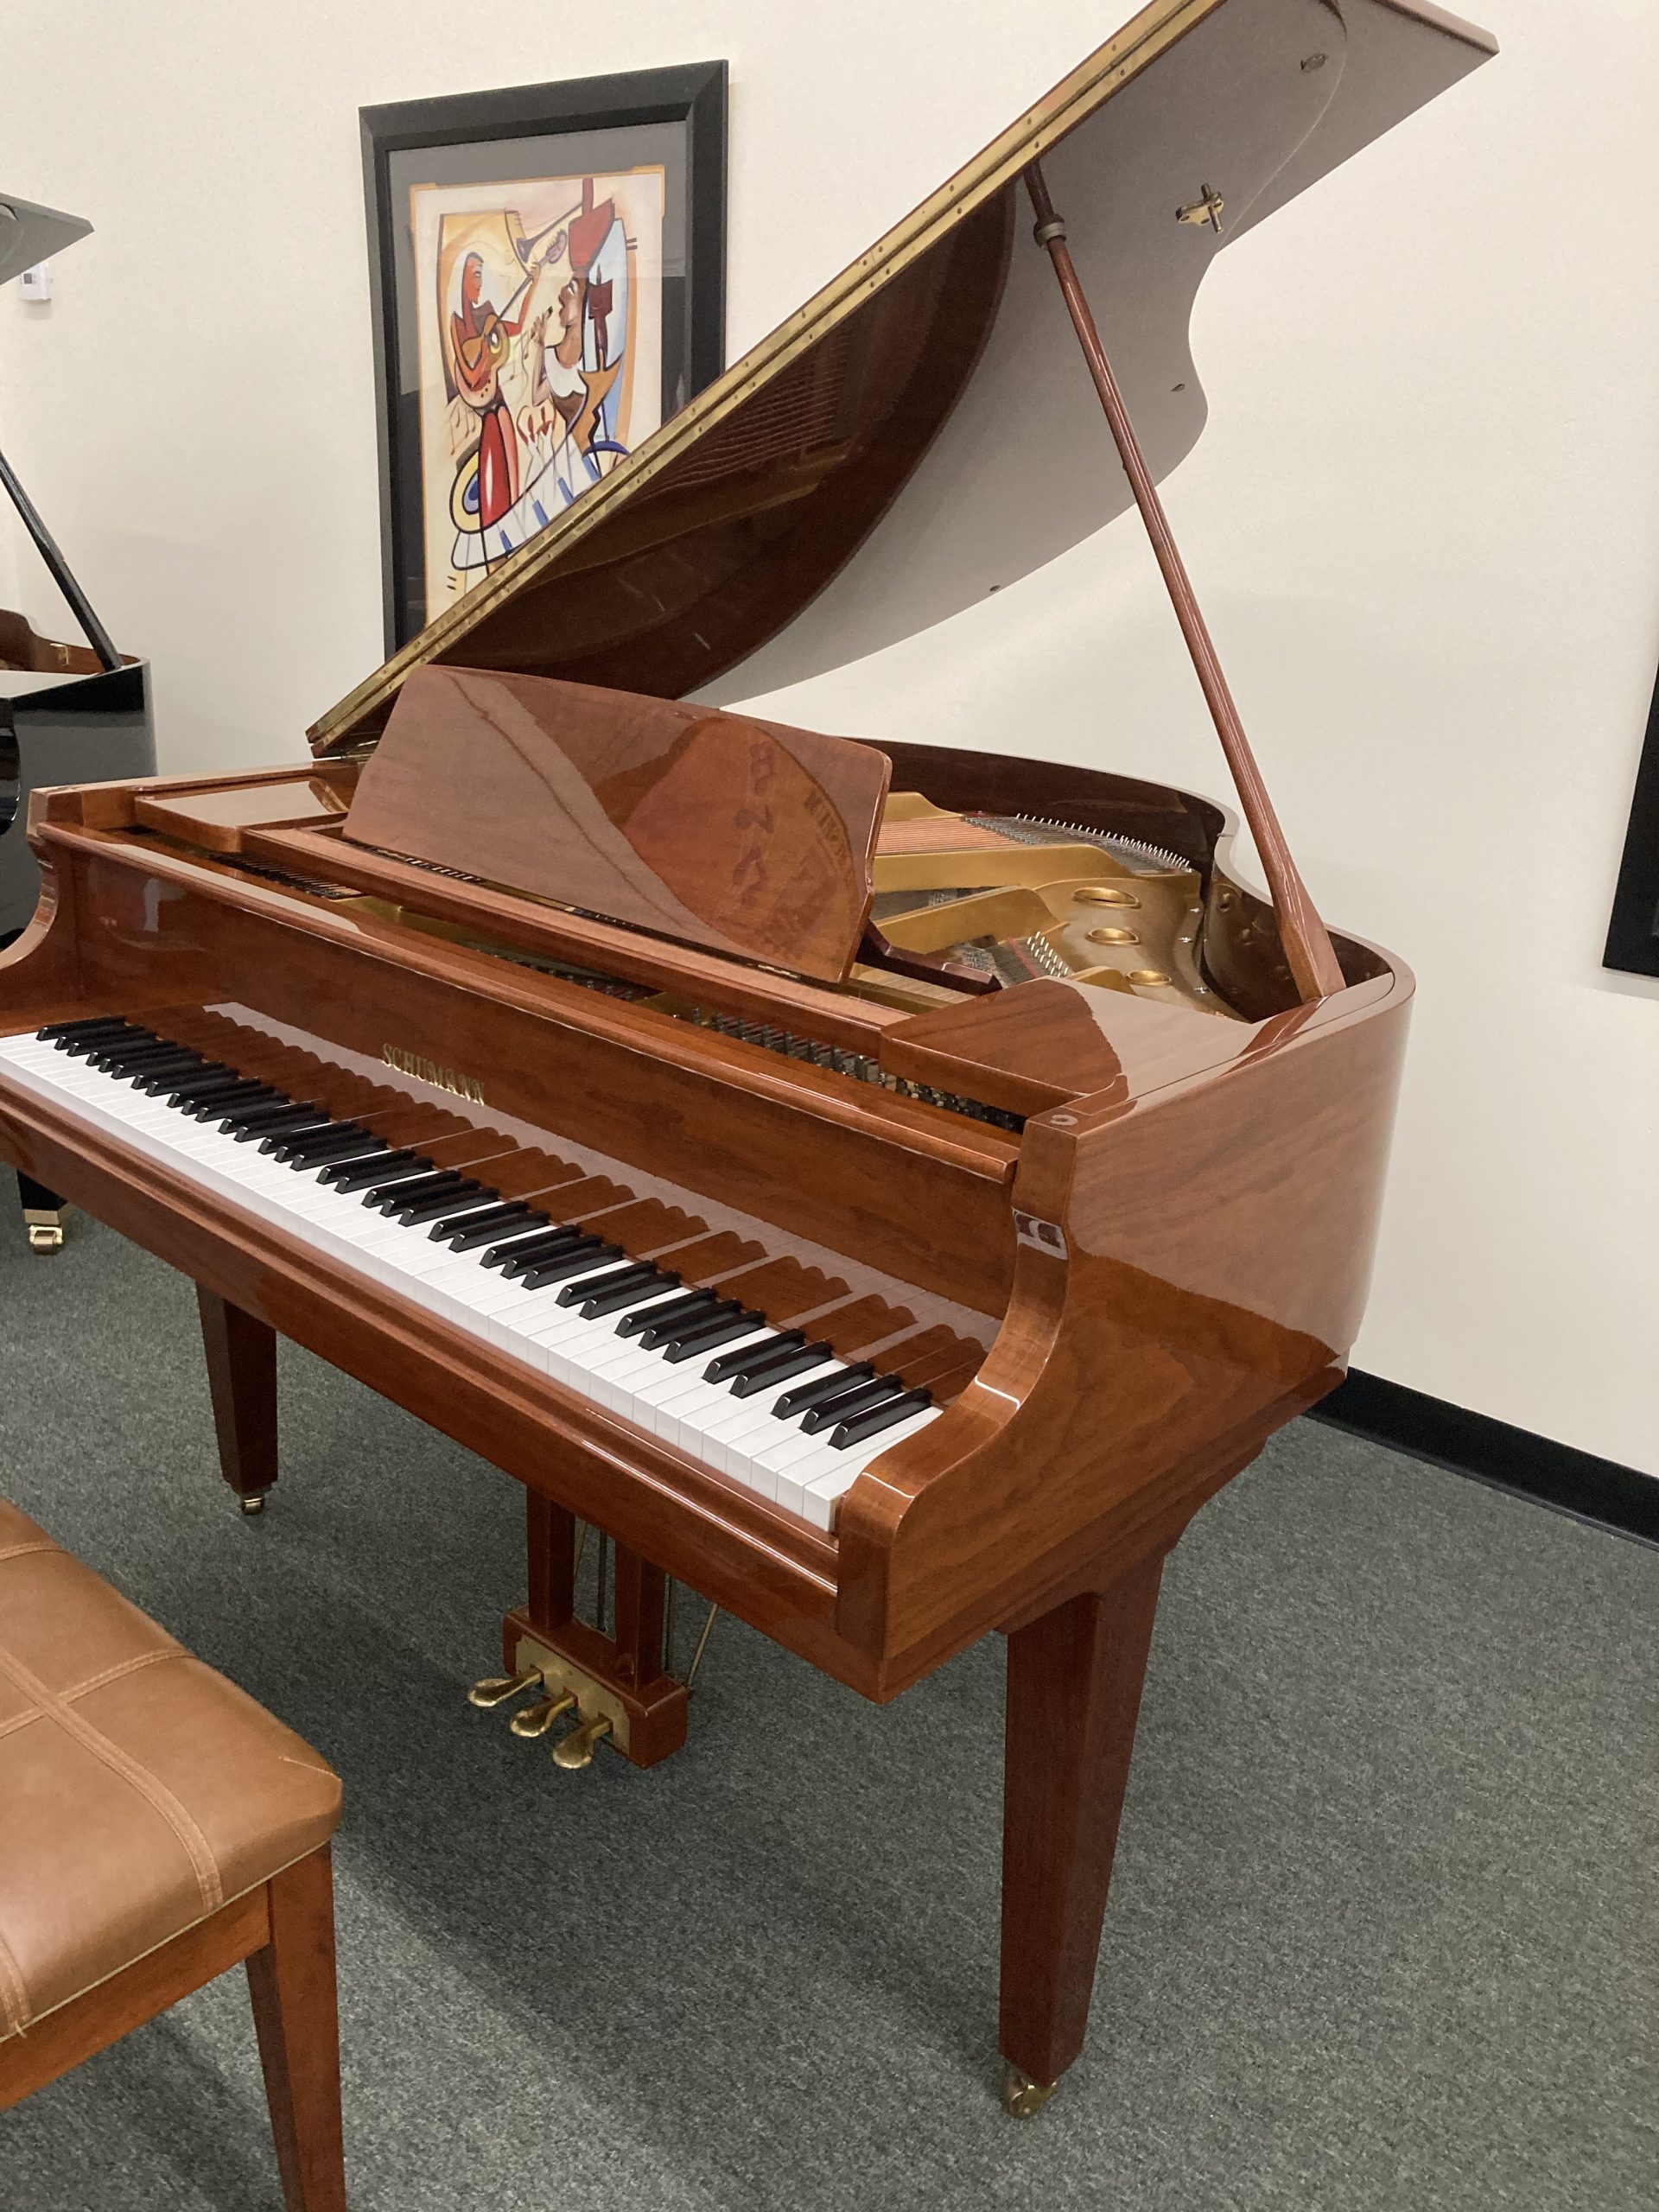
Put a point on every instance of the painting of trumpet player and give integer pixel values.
(540, 350)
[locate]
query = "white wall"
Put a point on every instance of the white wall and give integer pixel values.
(1424, 518)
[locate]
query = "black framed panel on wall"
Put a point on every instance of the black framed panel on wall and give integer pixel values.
(1633, 933)
(547, 265)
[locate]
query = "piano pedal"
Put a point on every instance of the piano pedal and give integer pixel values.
(45, 1226)
(575, 1668)
(499, 1689)
(1022, 2098)
(575, 1751)
(533, 1723)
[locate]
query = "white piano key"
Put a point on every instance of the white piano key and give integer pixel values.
(741, 1437)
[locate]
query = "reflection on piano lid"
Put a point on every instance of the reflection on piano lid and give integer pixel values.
(920, 433)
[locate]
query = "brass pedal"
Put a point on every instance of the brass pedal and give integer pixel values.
(536, 1720)
(575, 1751)
(499, 1689)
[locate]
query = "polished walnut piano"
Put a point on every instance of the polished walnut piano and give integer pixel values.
(886, 1188)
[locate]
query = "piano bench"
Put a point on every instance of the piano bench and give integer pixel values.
(158, 1827)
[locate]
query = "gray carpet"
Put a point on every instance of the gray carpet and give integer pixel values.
(1382, 1933)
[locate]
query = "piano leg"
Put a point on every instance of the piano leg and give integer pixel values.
(44, 1214)
(1074, 1678)
(242, 1376)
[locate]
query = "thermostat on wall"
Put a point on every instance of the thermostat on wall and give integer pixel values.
(35, 284)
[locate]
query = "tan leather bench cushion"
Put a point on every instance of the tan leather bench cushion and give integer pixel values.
(139, 1791)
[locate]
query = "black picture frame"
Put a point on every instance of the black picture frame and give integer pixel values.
(691, 96)
(1633, 932)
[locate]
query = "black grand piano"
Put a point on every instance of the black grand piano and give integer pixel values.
(69, 714)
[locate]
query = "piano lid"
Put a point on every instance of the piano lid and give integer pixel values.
(921, 432)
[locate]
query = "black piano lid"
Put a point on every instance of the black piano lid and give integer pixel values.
(922, 431)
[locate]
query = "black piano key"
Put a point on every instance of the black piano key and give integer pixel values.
(435, 1182)
(467, 1231)
(292, 1147)
(677, 1309)
(888, 1414)
(706, 1338)
(210, 1110)
(384, 1166)
(827, 1386)
(842, 1407)
(132, 1054)
(200, 1079)
(160, 1085)
(436, 1202)
(521, 1252)
(250, 1122)
(89, 1024)
(626, 1277)
(575, 1261)
(85, 1048)
(178, 1062)
(735, 1362)
(661, 1325)
(749, 1381)
(618, 1296)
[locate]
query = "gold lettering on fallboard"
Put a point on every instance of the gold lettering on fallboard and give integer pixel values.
(425, 1070)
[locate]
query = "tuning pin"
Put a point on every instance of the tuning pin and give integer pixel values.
(496, 1689)
(536, 1720)
(576, 1750)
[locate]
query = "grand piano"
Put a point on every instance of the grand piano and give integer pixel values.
(69, 714)
(886, 1188)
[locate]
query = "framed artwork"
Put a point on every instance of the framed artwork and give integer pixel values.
(547, 265)
(1633, 932)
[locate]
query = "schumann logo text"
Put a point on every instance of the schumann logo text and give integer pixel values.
(429, 1071)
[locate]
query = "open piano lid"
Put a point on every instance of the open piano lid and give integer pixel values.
(922, 432)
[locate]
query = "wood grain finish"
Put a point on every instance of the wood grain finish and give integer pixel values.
(241, 1356)
(284, 1932)
(1170, 1263)
(1073, 1697)
(295, 2014)
(746, 836)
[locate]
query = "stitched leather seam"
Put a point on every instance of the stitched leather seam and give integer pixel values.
(149, 1786)
(14, 1993)
(116, 1673)
(20, 1720)
(22, 1551)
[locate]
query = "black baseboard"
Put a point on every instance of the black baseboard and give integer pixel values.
(1575, 1481)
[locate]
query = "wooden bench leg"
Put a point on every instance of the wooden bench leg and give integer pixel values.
(291, 1982)
(1073, 1697)
(242, 1376)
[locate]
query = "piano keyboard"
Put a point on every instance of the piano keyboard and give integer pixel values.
(769, 1373)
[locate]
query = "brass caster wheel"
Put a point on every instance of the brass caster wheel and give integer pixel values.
(45, 1229)
(254, 1503)
(1022, 2098)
